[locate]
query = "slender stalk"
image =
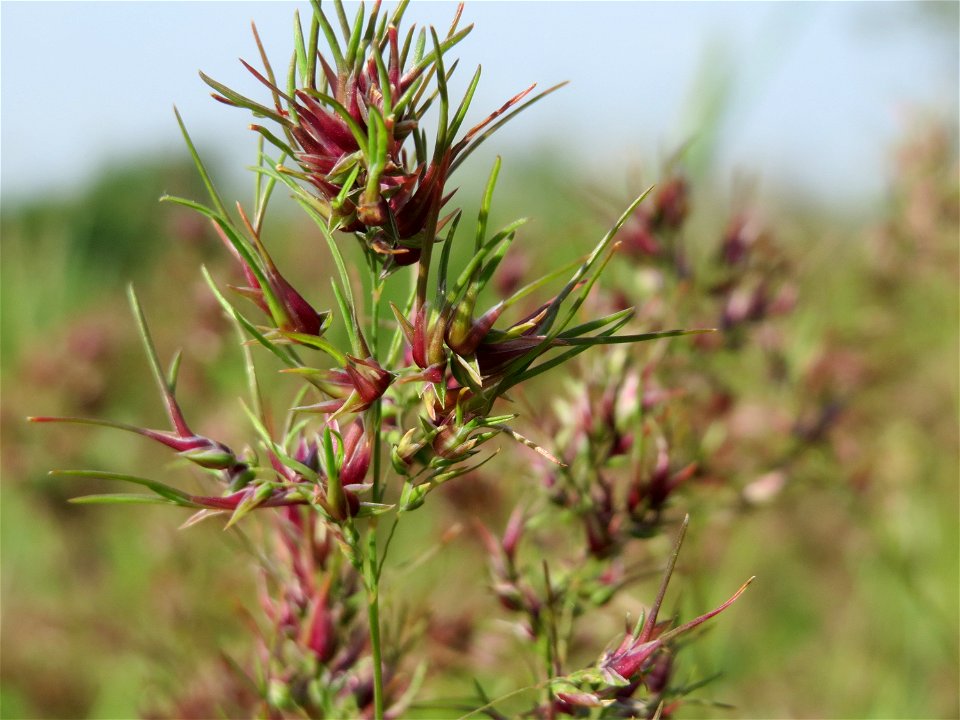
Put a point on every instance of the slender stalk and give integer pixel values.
(377, 292)
(550, 660)
(376, 417)
(376, 411)
(373, 564)
(373, 617)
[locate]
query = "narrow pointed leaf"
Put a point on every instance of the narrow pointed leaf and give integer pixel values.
(640, 337)
(173, 409)
(121, 499)
(329, 34)
(170, 493)
(201, 168)
(485, 203)
(316, 342)
(703, 618)
(239, 100)
(650, 623)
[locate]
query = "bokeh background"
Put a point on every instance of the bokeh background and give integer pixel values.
(837, 121)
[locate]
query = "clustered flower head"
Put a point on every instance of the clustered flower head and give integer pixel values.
(316, 640)
(643, 656)
(633, 679)
(353, 124)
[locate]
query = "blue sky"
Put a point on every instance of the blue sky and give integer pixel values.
(816, 92)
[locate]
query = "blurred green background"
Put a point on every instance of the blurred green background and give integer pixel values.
(108, 613)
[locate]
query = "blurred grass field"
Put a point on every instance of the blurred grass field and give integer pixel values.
(107, 613)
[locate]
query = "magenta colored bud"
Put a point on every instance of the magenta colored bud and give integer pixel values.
(630, 661)
(419, 340)
(737, 241)
(357, 451)
(353, 438)
(369, 379)
(579, 699)
(426, 340)
(411, 219)
(511, 536)
(671, 204)
(659, 485)
(302, 318)
(599, 540)
(464, 341)
(634, 652)
(494, 357)
(321, 632)
(326, 130)
(434, 373)
(299, 315)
